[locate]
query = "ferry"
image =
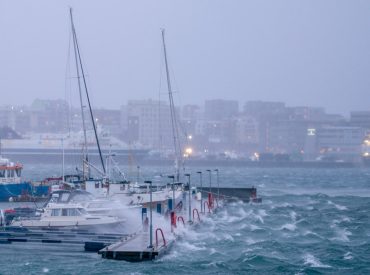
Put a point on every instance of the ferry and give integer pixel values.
(12, 187)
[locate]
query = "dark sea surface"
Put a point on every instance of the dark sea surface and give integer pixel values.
(311, 221)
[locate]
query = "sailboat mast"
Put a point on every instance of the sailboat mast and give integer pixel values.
(87, 93)
(84, 148)
(172, 110)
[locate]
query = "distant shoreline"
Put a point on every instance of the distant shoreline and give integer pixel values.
(143, 159)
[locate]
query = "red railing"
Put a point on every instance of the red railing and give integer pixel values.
(196, 211)
(182, 219)
(156, 237)
(209, 208)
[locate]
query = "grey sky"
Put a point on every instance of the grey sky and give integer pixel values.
(301, 52)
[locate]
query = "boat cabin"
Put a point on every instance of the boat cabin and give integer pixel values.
(10, 170)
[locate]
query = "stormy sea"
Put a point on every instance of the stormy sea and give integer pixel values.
(311, 221)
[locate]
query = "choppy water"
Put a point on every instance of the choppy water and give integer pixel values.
(310, 222)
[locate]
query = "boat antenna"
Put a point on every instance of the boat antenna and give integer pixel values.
(78, 55)
(175, 130)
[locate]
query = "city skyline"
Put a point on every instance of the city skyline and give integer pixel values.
(164, 99)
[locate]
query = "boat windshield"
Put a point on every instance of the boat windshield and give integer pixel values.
(67, 212)
(55, 212)
(82, 197)
(18, 172)
(82, 211)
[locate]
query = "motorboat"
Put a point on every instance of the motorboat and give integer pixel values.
(68, 215)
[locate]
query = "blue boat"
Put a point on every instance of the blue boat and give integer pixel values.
(12, 187)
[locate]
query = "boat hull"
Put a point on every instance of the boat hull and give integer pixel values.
(22, 189)
(9, 190)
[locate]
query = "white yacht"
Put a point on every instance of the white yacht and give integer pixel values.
(59, 215)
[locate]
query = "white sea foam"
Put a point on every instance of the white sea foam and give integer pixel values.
(258, 217)
(348, 256)
(312, 261)
(342, 234)
(293, 215)
(289, 226)
(212, 251)
(250, 241)
(338, 206)
(211, 264)
(262, 212)
(254, 227)
(308, 232)
(45, 270)
(228, 237)
(191, 247)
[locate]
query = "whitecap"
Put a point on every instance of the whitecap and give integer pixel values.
(250, 241)
(228, 237)
(254, 227)
(348, 256)
(342, 234)
(191, 247)
(212, 251)
(312, 261)
(262, 212)
(293, 215)
(45, 270)
(308, 232)
(258, 218)
(338, 206)
(289, 226)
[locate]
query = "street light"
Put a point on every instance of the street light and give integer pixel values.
(151, 215)
(218, 186)
(138, 174)
(188, 175)
(201, 189)
(210, 180)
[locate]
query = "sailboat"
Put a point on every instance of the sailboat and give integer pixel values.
(82, 86)
(174, 123)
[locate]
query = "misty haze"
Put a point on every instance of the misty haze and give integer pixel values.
(206, 137)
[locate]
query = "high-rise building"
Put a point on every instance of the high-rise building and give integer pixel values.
(219, 109)
(148, 122)
(360, 119)
(340, 142)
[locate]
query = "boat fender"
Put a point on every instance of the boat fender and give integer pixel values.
(173, 218)
(2, 218)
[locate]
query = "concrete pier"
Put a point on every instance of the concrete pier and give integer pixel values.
(134, 249)
(246, 194)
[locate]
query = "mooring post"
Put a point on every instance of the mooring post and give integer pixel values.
(210, 197)
(151, 215)
(218, 187)
(201, 189)
(173, 203)
(188, 176)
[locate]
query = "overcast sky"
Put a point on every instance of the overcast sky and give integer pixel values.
(314, 53)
